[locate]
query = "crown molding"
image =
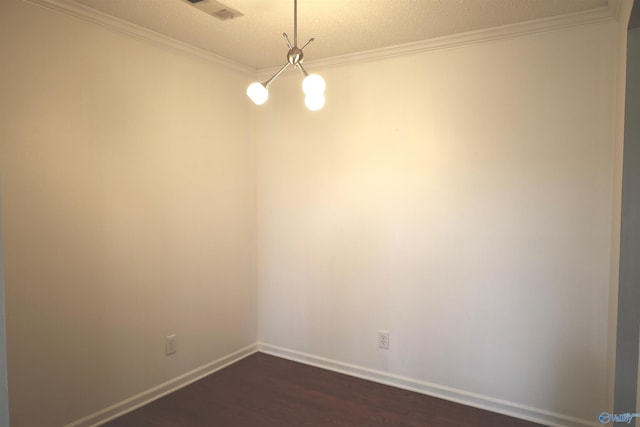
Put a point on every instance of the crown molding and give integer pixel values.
(554, 23)
(616, 7)
(85, 13)
(611, 12)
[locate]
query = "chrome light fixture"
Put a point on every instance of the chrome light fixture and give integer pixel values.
(313, 85)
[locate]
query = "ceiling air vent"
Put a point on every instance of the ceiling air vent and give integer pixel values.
(215, 9)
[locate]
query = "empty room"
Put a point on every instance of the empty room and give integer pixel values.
(415, 213)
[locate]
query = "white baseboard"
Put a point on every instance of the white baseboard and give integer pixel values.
(455, 395)
(459, 396)
(147, 396)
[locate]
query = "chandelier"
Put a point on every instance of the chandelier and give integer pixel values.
(313, 85)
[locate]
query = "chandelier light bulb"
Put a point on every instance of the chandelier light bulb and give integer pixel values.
(314, 101)
(313, 84)
(258, 93)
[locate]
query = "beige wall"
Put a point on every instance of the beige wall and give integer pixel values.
(127, 174)
(462, 200)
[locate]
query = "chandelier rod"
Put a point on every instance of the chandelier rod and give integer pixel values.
(295, 23)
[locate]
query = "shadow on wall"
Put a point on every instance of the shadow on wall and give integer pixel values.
(626, 381)
(4, 391)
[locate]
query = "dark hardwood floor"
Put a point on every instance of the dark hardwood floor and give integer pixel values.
(266, 391)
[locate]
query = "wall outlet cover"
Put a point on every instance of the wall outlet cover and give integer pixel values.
(171, 344)
(383, 339)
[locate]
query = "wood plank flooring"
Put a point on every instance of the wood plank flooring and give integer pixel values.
(266, 391)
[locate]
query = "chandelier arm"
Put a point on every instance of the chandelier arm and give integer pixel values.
(286, 37)
(275, 76)
(302, 70)
(306, 44)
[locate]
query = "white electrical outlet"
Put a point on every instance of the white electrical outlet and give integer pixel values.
(383, 339)
(171, 345)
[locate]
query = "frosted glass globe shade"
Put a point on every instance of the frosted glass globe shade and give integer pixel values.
(258, 93)
(313, 84)
(314, 102)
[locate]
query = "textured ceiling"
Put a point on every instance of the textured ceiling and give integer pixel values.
(339, 26)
